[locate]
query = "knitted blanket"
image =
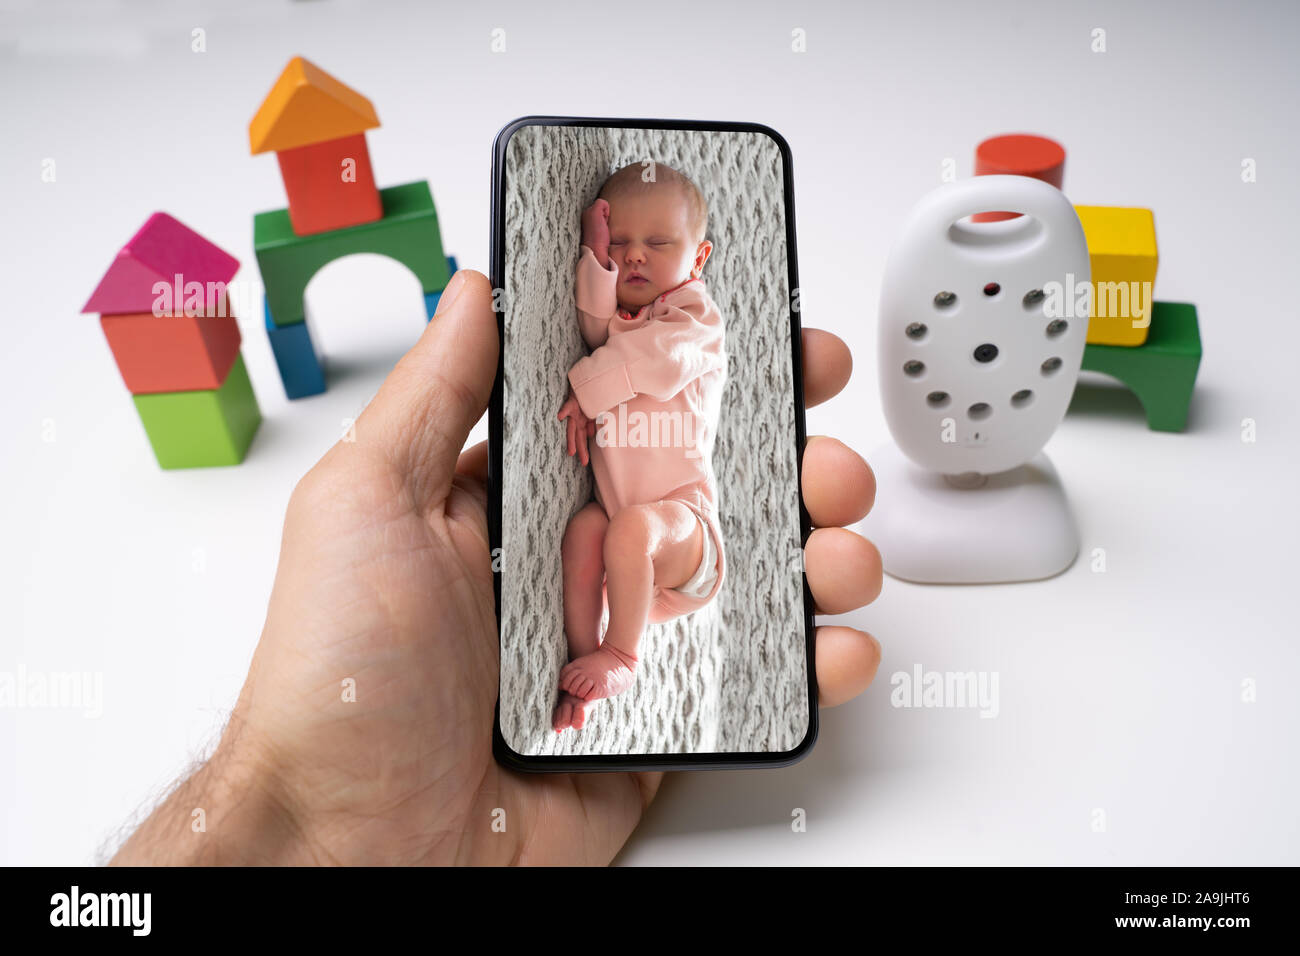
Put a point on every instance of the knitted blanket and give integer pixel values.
(731, 677)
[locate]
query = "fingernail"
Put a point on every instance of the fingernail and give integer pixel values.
(450, 293)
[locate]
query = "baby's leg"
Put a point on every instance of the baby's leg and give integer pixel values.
(584, 601)
(584, 576)
(659, 544)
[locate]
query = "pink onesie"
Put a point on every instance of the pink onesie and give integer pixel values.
(659, 375)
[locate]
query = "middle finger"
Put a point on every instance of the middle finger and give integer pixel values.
(839, 487)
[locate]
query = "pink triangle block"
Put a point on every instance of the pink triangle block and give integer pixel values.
(163, 249)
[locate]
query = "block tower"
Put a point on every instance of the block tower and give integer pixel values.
(164, 309)
(317, 127)
(1152, 347)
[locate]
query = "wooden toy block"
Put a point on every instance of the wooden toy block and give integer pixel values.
(203, 428)
(1019, 154)
(179, 353)
(302, 367)
(161, 250)
(1122, 250)
(300, 361)
(408, 232)
(330, 185)
(307, 105)
(431, 298)
(1162, 371)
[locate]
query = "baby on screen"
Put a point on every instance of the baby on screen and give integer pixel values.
(649, 546)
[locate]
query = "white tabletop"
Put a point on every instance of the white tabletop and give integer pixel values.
(1121, 735)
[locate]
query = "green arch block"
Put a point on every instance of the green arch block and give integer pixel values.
(1162, 371)
(408, 232)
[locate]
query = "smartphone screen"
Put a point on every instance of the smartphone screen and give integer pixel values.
(646, 431)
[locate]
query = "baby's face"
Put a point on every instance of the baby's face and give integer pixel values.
(651, 242)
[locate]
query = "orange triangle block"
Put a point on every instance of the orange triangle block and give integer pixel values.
(307, 106)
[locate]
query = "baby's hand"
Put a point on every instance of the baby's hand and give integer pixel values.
(579, 425)
(595, 229)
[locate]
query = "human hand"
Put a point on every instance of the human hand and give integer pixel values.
(595, 229)
(579, 426)
(385, 580)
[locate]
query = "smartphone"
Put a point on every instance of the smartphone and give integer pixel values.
(646, 436)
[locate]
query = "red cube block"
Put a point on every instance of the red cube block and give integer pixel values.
(330, 185)
(172, 353)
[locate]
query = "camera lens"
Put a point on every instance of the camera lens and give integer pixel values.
(986, 353)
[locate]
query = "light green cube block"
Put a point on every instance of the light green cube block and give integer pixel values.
(201, 429)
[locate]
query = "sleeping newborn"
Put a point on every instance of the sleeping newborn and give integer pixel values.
(649, 393)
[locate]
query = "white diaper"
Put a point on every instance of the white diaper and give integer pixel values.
(701, 582)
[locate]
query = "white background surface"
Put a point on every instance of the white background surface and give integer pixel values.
(1119, 691)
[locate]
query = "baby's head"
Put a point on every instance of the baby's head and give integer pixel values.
(657, 220)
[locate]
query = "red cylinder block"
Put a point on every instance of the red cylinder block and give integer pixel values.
(1019, 154)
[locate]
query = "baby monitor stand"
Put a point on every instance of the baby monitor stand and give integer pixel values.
(973, 529)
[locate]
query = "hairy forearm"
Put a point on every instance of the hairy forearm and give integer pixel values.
(227, 813)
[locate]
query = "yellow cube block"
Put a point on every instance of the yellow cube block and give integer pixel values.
(1122, 249)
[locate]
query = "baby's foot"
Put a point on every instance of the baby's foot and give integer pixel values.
(569, 712)
(602, 673)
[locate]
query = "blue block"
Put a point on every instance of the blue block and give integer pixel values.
(300, 366)
(431, 298)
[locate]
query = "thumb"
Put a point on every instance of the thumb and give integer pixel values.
(438, 391)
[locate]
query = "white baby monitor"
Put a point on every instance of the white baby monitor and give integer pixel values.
(981, 335)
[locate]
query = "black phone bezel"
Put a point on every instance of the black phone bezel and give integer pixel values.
(595, 763)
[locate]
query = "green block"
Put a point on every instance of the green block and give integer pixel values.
(1162, 371)
(202, 428)
(408, 232)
